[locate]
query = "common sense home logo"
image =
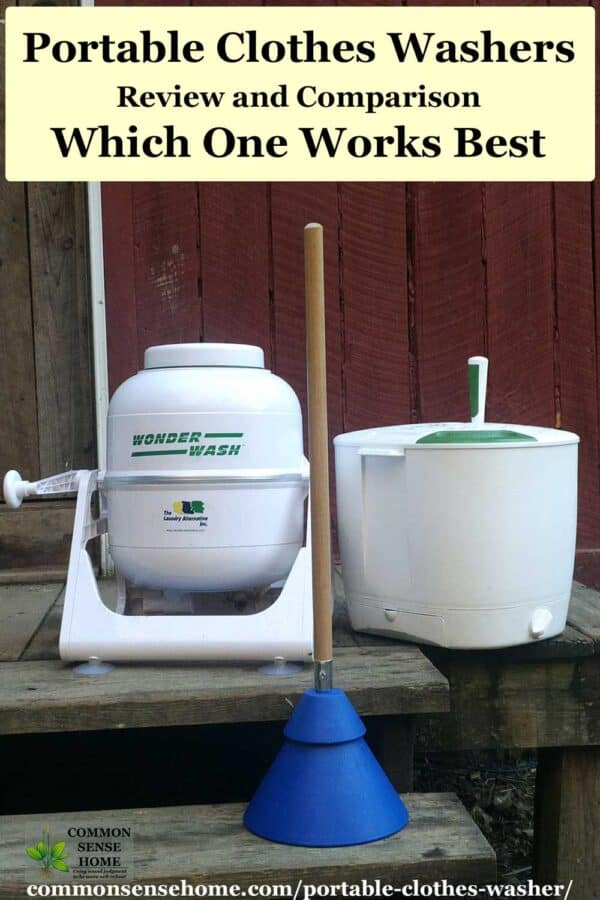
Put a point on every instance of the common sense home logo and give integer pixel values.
(187, 443)
(96, 852)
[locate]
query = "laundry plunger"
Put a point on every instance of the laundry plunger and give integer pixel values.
(325, 787)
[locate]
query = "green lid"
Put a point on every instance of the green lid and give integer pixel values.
(469, 436)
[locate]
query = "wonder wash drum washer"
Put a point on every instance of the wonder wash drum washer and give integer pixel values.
(204, 492)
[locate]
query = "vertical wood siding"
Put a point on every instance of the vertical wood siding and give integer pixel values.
(46, 390)
(419, 277)
(46, 384)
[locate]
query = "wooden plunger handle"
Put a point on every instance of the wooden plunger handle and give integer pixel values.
(318, 442)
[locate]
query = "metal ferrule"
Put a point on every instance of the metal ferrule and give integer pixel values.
(324, 675)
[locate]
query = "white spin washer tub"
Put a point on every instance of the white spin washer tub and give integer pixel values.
(458, 534)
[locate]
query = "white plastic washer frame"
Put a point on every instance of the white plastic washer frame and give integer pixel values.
(90, 630)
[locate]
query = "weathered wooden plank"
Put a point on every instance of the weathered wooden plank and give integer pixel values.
(37, 575)
(59, 284)
(44, 643)
(166, 264)
(292, 207)
(568, 645)
(447, 273)
(447, 291)
(578, 368)
(584, 612)
(572, 643)
(520, 303)
(575, 345)
(22, 609)
(49, 696)
(374, 298)
(552, 703)
(209, 845)
(38, 535)
(18, 401)
(567, 821)
(18, 424)
(519, 240)
(235, 261)
(588, 563)
(124, 356)
(596, 273)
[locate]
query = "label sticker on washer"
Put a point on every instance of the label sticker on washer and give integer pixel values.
(186, 515)
(187, 443)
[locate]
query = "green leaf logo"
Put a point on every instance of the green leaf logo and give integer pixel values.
(49, 855)
(60, 865)
(57, 850)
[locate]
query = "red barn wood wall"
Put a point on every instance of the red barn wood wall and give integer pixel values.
(419, 277)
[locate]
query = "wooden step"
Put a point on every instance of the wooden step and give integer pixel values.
(48, 696)
(39, 693)
(209, 845)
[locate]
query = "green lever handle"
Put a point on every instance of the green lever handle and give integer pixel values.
(478, 369)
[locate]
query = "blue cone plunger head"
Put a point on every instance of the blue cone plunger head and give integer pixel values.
(325, 787)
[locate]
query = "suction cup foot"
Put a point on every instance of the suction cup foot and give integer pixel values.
(280, 666)
(94, 666)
